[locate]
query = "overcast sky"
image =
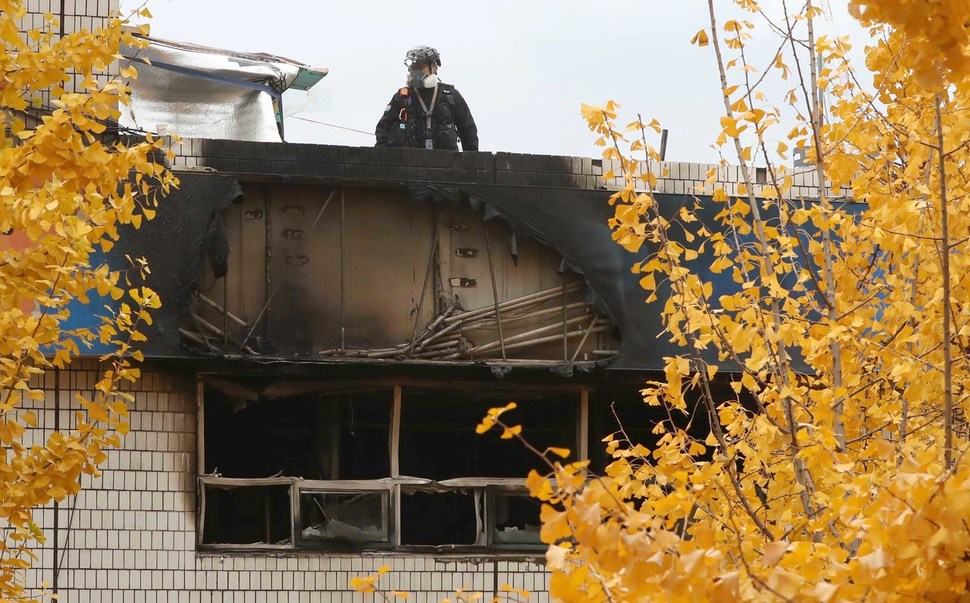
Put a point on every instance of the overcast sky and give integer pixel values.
(523, 67)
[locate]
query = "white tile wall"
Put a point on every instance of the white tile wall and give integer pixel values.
(132, 531)
(690, 178)
(79, 15)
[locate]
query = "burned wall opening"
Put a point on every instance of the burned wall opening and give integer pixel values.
(356, 465)
(308, 435)
(438, 439)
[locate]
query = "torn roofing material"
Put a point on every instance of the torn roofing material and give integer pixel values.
(202, 92)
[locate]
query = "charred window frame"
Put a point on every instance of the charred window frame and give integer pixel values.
(356, 489)
(511, 518)
(343, 514)
(254, 513)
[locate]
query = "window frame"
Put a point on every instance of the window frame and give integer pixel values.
(345, 487)
(235, 483)
(492, 492)
(392, 488)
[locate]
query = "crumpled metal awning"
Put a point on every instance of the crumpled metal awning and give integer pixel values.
(202, 92)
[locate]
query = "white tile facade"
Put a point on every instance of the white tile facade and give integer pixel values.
(130, 535)
(79, 15)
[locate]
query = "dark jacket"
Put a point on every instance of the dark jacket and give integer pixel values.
(404, 123)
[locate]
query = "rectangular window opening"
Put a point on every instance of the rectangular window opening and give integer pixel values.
(350, 517)
(255, 430)
(435, 420)
(514, 520)
(291, 464)
(440, 518)
(247, 515)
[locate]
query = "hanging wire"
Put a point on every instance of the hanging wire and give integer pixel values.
(323, 123)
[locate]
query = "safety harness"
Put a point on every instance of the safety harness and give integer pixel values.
(428, 143)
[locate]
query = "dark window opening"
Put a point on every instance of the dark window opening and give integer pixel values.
(258, 438)
(623, 413)
(312, 436)
(438, 439)
(251, 515)
(345, 517)
(515, 519)
(761, 175)
(440, 518)
(361, 425)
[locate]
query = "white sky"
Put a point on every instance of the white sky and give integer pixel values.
(523, 67)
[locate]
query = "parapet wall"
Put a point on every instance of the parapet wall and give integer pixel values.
(315, 162)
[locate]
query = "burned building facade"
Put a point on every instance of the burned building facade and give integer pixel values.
(336, 321)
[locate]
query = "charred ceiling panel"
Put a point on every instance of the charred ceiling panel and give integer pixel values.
(346, 269)
(352, 272)
(387, 244)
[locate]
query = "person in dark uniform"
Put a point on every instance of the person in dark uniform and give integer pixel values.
(427, 113)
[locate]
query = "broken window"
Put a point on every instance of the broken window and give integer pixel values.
(514, 518)
(445, 518)
(348, 516)
(247, 512)
(301, 464)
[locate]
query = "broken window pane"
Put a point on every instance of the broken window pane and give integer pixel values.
(440, 518)
(247, 515)
(515, 519)
(345, 517)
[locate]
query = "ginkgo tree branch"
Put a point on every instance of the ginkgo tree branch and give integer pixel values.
(827, 246)
(802, 473)
(762, 146)
(700, 367)
(945, 267)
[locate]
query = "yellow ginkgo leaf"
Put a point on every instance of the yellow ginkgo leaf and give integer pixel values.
(700, 38)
